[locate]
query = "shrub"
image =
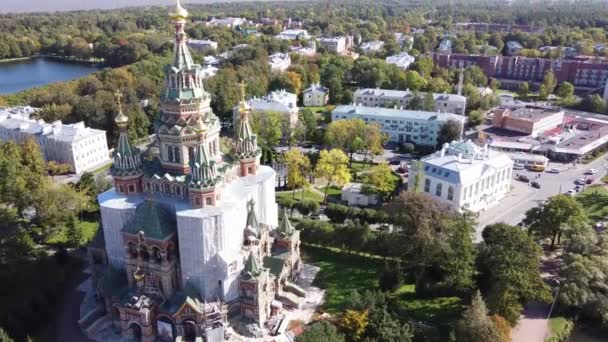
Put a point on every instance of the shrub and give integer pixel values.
(336, 212)
(286, 202)
(407, 148)
(307, 207)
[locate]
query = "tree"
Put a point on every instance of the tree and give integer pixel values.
(509, 276)
(332, 166)
(225, 93)
(475, 325)
(350, 135)
(4, 337)
(353, 323)
(54, 168)
(449, 131)
(390, 278)
(476, 118)
(543, 93)
(549, 220)
(414, 81)
(267, 126)
(424, 65)
(549, 82)
(523, 90)
(475, 76)
(320, 331)
(429, 102)
(298, 166)
(565, 90)
(502, 327)
(73, 232)
(309, 121)
(380, 180)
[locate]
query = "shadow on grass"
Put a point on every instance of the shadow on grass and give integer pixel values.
(595, 202)
(438, 309)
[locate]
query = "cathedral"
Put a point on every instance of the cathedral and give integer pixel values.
(192, 237)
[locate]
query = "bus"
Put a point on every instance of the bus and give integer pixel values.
(532, 162)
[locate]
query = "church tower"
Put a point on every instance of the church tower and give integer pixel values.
(126, 170)
(184, 102)
(247, 151)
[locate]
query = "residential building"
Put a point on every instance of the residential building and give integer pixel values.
(401, 60)
(279, 61)
(310, 50)
(202, 44)
(493, 27)
(229, 22)
(337, 45)
(564, 51)
(293, 34)
(279, 101)
(404, 40)
(315, 96)
(465, 176)
(528, 120)
(445, 46)
(211, 60)
(354, 195)
(373, 46)
(449, 103)
(513, 48)
(209, 71)
(192, 238)
(418, 127)
(513, 70)
(81, 147)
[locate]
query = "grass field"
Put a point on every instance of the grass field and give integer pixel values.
(342, 273)
(595, 202)
(89, 229)
(308, 195)
(560, 328)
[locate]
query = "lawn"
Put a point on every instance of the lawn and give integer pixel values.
(332, 191)
(560, 328)
(595, 202)
(341, 273)
(89, 229)
(308, 195)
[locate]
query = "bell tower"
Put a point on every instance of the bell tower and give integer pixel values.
(247, 151)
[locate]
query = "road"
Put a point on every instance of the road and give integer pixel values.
(522, 196)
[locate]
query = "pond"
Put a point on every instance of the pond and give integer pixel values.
(28, 73)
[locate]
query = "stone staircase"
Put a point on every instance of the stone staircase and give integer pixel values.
(295, 289)
(289, 299)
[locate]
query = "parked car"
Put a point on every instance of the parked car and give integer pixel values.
(553, 170)
(589, 180)
(580, 181)
(571, 192)
(535, 185)
(395, 162)
(591, 172)
(578, 188)
(518, 167)
(523, 178)
(401, 170)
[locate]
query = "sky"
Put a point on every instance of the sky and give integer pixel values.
(71, 5)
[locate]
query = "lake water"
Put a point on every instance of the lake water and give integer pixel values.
(19, 75)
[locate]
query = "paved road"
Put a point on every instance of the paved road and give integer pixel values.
(522, 197)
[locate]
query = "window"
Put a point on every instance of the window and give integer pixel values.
(170, 153)
(450, 193)
(438, 190)
(427, 185)
(121, 188)
(131, 188)
(177, 154)
(208, 201)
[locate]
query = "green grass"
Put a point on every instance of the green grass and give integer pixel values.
(332, 191)
(308, 195)
(342, 273)
(560, 328)
(89, 229)
(103, 168)
(439, 309)
(595, 202)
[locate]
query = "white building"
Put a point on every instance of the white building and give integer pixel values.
(209, 71)
(373, 46)
(465, 176)
(445, 46)
(202, 44)
(337, 44)
(401, 60)
(353, 194)
(449, 103)
(279, 61)
(293, 34)
(81, 147)
(404, 40)
(419, 127)
(315, 96)
(513, 48)
(279, 101)
(304, 50)
(229, 22)
(211, 60)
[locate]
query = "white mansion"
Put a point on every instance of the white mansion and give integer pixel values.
(81, 147)
(280, 101)
(465, 176)
(419, 127)
(449, 103)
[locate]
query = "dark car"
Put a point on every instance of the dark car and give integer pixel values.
(395, 162)
(535, 185)
(401, 170)
(589, 181)
(523, 178)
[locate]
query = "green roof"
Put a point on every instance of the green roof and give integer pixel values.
(155, 221)
(285, 228)
(252, 269)
(251, 218)
(275, 263)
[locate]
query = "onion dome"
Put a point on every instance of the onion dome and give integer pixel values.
(121, 119)
(178, 13)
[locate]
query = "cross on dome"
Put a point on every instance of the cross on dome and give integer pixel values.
(179, 13)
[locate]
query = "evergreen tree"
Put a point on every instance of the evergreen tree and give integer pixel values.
(475, 325)
(73, 232)
(321, 331)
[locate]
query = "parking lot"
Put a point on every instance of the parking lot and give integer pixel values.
(523, 196)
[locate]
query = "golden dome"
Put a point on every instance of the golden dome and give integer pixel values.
(139, 274)
(178, 13)
(121, 119)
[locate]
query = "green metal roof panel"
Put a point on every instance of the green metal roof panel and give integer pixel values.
(155, 221)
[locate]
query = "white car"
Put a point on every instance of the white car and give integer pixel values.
(518, 167)
(580, 181)
(571, 192)
(553, 170)
(591, 172)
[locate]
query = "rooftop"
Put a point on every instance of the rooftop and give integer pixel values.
(534, 114)
(405, 94)
(397, 113)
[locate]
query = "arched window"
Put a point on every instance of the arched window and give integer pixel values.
(170, 153)
(450, 193)
(156, 187)
(145, 255)
(166, 188)
(191, 153)
(427, 185)
(177, 154)
(438, 190)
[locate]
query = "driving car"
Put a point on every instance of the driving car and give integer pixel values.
(535, 185)
(518, 167)
(523, 178)
(553, 170)
(591, 172)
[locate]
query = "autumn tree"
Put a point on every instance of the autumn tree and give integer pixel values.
(346, 135)
(475, 325)
(353, 323)
(54, 168)
(298, 166)
(551, 219)
(267, 126)
(476, 118)
(380, 180)
(565, 90)
(549, 82)
(333, 167)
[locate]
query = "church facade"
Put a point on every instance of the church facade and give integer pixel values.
(192, 237)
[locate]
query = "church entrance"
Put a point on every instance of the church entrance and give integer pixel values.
(135, 331)
(189, 330)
